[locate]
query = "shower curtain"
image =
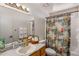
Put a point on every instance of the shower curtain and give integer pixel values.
(58, 34)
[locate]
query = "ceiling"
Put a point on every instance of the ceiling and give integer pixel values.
(43, 9)
(37, 9)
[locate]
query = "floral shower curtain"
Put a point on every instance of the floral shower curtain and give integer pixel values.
(58, 34)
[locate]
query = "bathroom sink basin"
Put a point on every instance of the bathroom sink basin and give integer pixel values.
(25, 50)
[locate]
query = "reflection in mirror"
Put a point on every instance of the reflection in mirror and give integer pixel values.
(14, 25)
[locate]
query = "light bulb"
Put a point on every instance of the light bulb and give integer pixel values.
(28, 9)
(23, 7)
(11, 3)
(18, 5)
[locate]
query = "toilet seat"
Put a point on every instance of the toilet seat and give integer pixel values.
(50, 52)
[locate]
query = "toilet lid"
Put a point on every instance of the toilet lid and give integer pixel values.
(50, 51)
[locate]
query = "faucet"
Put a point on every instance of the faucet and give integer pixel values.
(25, 41)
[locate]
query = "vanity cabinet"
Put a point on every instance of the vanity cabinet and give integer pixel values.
(40, 52)
(37, 53)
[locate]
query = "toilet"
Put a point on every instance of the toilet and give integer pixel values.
(50, 52)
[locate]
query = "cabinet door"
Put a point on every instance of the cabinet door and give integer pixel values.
(42, 51)
(37, 53)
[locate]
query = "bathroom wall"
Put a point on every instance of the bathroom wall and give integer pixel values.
(75, 34)
(74, 31)
(40, 28)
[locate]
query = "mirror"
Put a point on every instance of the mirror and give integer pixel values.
(14, 25)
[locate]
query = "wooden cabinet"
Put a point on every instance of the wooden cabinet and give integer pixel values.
(40, 52)
(37, 53)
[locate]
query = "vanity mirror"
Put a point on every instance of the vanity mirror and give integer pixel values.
(14, 25)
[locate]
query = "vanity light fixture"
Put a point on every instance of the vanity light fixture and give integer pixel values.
(18, 6)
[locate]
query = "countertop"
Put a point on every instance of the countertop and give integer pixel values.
(13, 52)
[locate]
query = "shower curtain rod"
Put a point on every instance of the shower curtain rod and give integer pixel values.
(64, 12)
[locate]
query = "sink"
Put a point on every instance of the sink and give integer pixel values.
(28, 50)
(25, 50)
